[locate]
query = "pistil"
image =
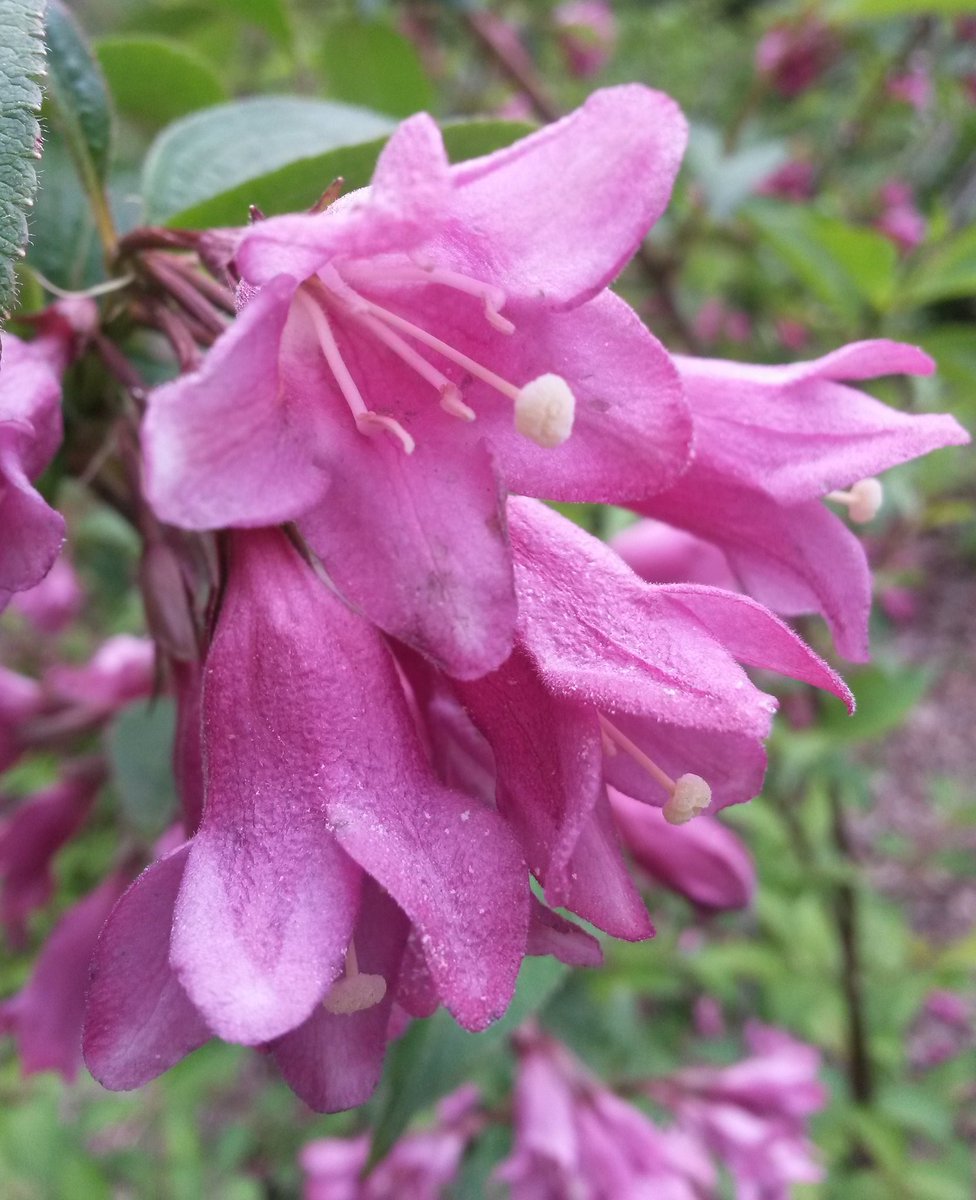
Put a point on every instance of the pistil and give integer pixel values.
(355, 991)
(862, 501)
(688, 795)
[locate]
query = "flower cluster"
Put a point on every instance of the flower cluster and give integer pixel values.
(405, 686)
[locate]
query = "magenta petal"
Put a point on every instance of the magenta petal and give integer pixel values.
(139, 1021)
(632, 430)
(418, 544)
(548, 759)
(521, 206)
(334, 1062)
(702, 860)
(46, 1016)
(33, 533)
(549, 933)
(757, 638)
(268, 900)
(234, 442)
(601, 890)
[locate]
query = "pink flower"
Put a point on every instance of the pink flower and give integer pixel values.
(660, 553)
(30, 432)
(587, 33)
(324, 837)
(702, 860)
(575, 1137)
(53, 603)
(794, 180)
(419, 1167)
(121, 671)
(794, 335)
(45, 1016)
(715, 320)
(31, 837)
(373, 390)
(771, 443)
(753, 1115)
(900, 220)
(616, 681)
(914, 87)
(21, 699)
(793, 57)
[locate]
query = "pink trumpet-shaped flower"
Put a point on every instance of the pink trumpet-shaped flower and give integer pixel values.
(30, 432)
(31, 837)
(419, 1167)
(45, 1017)
(616, 681)
(121, 671)
(701, 860)
(324, 836)
(753, 1115)
(422, 345)
(587, 33)
(771, 444)
(574, 1137)
(53, 603)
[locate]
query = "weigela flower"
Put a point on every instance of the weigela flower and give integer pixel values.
(574, 1137)
(793, 57)
(121, 671)
(31, 836)
(325, 836)
(30, 432)
(770, 444)
(53, 603)
(587, 33)
(900, 219)
(616, 681)
(45, 1016)
(420, 346)
(753, 1114)
(21, 699)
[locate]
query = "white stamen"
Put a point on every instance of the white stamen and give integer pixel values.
(863, 501)
(690, 798)
(355, 991)
(544, 411)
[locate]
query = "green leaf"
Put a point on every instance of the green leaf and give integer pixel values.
(21, 60)
(140, 749)
(155, 80)
(843, 265)
(885, 10)
(435, 1055)
(270, 15)
(368, 62)
(78, 93)
(210, 152)
(64, 245)
(885, 695)
(949, 271)
(299, 184)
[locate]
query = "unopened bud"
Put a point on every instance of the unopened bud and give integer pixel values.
(691, 796)
(544, 411)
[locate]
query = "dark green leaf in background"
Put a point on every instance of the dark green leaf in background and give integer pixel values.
(208, 153)
(367, 62)
(21, 60)
(299, 183)
(77, 91)
(140, 749)
(155, 80)
(948, 272)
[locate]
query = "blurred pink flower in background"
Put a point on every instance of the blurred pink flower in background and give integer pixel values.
(53, 603)
(794, 180)
(121, 671)
(794, 335)
(900, 220)
(914, 87)
(793, 57)
(587, 31)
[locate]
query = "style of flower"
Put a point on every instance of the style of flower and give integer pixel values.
(409, 353)
(770, 444)
(325, 836)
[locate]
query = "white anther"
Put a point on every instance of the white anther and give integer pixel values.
(544, 410)
(354, 993)
(866, 500)
(452, 403)
(690, 798)
(372, 423)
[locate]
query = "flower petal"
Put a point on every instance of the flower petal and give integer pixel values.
(418, 544)
(234, 443)
(33, 533)
(139, 1021)
(268, 901)
(521, 212)
(334, 1062)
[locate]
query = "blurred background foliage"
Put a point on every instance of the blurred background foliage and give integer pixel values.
(866, 832)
